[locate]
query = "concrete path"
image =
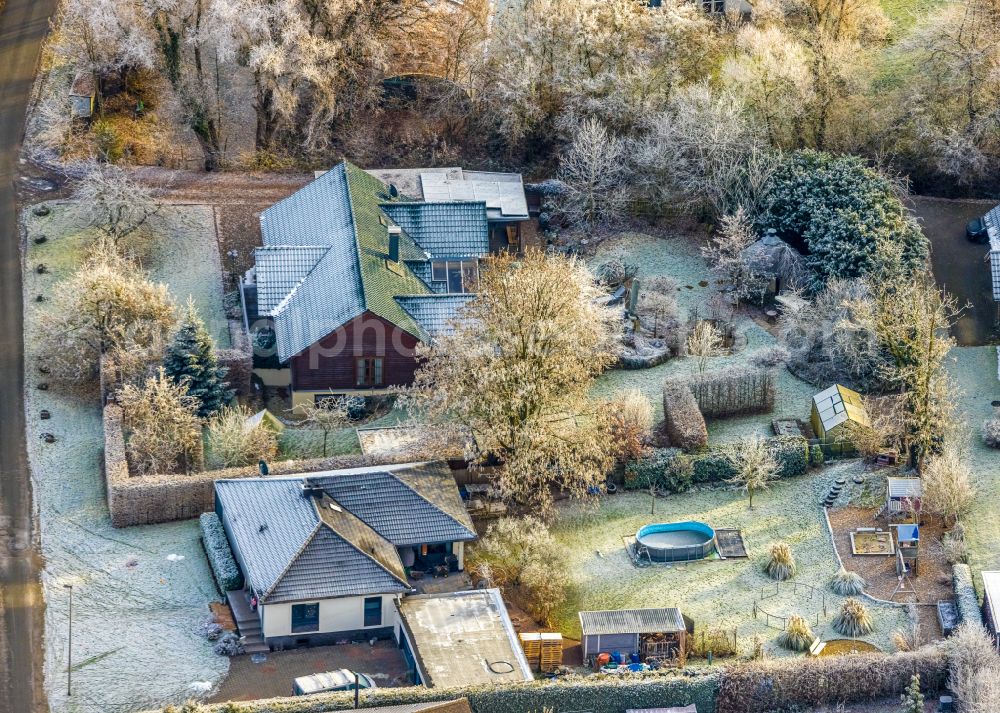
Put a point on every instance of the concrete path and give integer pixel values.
(23, 26)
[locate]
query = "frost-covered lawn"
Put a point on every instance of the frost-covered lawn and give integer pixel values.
(308, 443)
(678, 258)
(714, 593)
(139, 594)
(975, 372)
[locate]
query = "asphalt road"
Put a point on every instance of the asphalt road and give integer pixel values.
(23, 25)
(959, 266)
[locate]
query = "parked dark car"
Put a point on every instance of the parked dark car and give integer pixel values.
(976, 231)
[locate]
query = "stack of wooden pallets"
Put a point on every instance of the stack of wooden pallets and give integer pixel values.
(544, 650)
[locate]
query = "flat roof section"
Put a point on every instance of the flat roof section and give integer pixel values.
(463, 638)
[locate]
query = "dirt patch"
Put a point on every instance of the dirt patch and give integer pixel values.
(932, 583)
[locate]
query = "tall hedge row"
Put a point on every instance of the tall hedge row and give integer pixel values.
(682, 419)
(804, 683)
(671, 471)
(220, 556)
(597, 694)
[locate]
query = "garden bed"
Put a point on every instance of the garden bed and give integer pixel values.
(866, 542)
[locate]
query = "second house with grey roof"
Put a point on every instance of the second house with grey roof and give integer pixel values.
(327, 556)
(359, 267)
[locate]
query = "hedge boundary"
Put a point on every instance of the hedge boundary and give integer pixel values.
(783, 684)
(965, 594)
(219, 553)
(682, 419)
(155, 498)
(709, 466)
(596, 694)
(739, 687)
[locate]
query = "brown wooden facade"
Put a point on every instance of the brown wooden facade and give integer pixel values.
(367, 353)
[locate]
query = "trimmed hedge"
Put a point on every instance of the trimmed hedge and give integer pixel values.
(682, 419)
(652, 471)
(791, 452)
(220, 556)
(965, 594)
(804, 683)
(597, 694)
(662, 467)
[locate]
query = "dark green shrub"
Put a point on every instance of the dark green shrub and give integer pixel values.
(816, 457)
(651, 470)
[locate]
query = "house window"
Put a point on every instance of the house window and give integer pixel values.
(716, 6)
(460, 276)
(373, 611)
(305, 617)
(368, 371)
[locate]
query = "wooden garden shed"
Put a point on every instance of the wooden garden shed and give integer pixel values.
(833, 409)
(82, 95)
(902, 496)
(651, 633)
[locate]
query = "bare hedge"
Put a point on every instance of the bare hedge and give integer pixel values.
(682, 419)
(733, 391)
(784, 684)
(149, 499)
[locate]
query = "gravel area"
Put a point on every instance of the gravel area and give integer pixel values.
(140, 594)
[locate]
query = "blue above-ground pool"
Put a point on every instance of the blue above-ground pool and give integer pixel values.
(676, 541)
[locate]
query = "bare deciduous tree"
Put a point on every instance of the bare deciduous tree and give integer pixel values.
(164, 431)
(595, 173)
(108, 304)
(108, 198)
(521, 557)
(234, 442)
(754, 464)
(516, 373)
(704, 342)
(331, 413)
(946, 484)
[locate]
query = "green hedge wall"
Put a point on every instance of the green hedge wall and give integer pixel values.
(220, 556)
(663, 466)
(597, 694)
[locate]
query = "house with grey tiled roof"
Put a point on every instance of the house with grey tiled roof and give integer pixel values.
(355, 271)
(327, 556)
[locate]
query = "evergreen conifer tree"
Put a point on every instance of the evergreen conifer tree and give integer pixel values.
(191, 359)
(913, 699)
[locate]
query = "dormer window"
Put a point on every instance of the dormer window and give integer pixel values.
(460, 276)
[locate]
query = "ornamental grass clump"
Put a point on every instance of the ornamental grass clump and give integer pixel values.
(781, 563)
(797, 636)
(847, 583)
(853, 619)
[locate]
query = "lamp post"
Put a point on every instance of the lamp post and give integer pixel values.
(232, 255)
(69, 664)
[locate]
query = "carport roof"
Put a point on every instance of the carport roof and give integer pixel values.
(632, 621)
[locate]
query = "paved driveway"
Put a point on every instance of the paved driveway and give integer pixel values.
(959, 266)
(273, 677)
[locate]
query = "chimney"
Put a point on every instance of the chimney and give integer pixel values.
(394, 231)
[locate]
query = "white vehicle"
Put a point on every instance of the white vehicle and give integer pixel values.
(339, 680)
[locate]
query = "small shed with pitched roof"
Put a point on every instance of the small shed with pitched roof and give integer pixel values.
(833, 409)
